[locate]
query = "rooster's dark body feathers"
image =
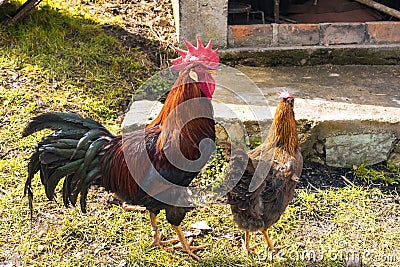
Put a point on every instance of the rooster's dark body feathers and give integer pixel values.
(85, 153)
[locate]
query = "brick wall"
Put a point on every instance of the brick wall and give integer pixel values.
(325, 34)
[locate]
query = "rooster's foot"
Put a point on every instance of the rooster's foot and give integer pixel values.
(169, 241)
(157, 236)
(157, 242)
(189, 242)
(190, 249)
(186, 245)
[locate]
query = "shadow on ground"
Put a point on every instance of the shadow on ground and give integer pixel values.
(319, 177)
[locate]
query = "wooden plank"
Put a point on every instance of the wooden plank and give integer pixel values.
(24, 9)
(382, 8)
(276, 11)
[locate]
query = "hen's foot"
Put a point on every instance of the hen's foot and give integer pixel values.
(270, 243)
(271, 247)
(246, 245)
(250, 249)
(276, 249)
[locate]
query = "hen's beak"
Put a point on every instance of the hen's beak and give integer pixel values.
(213, 72)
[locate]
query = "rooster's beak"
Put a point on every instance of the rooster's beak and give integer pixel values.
(213, 72)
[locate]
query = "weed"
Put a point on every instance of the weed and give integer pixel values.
(391, 174)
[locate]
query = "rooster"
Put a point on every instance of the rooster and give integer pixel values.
(266, 175)
(135, 166)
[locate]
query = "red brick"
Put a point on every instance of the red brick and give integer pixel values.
(250, 35)
(383, 32)
(298, 34)
(342, 33)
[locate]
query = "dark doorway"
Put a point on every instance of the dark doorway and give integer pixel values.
(307, 11)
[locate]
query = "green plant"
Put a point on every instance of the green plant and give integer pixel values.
(368, 173)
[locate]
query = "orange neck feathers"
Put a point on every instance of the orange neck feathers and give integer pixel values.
(283, 133)
(186, 110)
(183, 90)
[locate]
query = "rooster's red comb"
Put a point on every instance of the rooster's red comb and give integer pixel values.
(201, 54)
(285, 94)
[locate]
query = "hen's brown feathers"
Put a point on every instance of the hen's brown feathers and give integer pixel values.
(258, 208)
(283, 132)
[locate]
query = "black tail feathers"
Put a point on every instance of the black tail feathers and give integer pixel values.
(72, 152)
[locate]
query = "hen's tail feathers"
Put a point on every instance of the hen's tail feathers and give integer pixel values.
(240, 164)
(239, 159)
(72, 151)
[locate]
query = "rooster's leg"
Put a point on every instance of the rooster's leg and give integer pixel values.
(157, 235)
(270, 244)
(154, 231)
(185, 244)
(247, 243)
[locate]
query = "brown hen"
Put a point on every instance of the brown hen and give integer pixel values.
(267, 175)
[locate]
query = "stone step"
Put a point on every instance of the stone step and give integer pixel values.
(346, 114)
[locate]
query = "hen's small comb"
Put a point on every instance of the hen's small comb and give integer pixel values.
(201, 54)
(285, 94)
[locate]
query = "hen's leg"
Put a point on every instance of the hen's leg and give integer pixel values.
(270, 244)
(185, 244)
(247, 243)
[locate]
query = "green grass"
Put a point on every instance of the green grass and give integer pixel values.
(60, 58)
(389, 176)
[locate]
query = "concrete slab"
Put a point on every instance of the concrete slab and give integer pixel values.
(351, 84)
(346, 114)
(335, 105)
(209, 20)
